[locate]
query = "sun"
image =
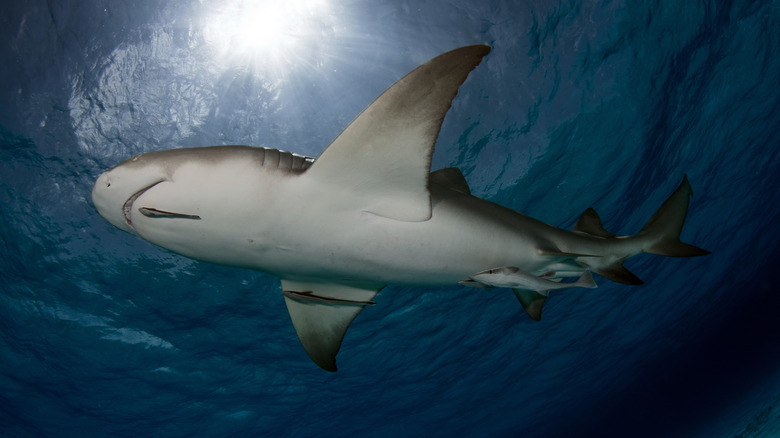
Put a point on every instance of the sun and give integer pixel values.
(264, 25)
(259, 33)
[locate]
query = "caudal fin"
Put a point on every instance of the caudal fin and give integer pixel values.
(662, 231)
(661, 236)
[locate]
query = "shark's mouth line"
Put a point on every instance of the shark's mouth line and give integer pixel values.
(153, 212)
(128, 206)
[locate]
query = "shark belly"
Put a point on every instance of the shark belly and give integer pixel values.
(464, 235)
(297, 230)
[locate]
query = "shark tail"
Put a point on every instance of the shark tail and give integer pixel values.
(660, 236)
(662, 231)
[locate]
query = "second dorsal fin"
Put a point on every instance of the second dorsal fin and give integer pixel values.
(590, 223)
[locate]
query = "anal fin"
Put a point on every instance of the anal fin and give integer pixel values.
(617, 273)
(321, 314)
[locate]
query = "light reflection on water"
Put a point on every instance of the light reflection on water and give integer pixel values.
(158, 91)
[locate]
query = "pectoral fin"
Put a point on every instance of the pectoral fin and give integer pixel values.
(616, 272)
(321, 314)
(532, 301)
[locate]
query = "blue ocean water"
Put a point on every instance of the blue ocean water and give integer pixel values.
(595, 103)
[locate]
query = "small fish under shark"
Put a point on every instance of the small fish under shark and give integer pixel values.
(366, 213)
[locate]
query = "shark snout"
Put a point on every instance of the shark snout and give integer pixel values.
(109, 197)
(116, 190)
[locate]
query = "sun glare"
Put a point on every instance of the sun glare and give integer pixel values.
(261, 32)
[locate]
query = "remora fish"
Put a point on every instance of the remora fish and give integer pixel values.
(366, 213)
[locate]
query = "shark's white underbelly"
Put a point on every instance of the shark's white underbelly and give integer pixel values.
(465, 235)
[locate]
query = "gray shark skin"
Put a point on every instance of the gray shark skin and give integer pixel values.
(366, 213)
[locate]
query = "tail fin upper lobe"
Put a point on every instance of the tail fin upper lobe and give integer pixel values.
(664, 227)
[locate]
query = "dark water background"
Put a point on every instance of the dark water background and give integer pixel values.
(595, 103)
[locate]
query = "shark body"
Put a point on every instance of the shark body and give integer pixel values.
(366, 213)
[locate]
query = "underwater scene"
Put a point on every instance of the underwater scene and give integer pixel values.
(578, 104)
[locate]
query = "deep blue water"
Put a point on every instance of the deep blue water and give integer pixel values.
(594, 103)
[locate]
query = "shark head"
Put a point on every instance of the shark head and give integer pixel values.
(185, 199)
(117, 189)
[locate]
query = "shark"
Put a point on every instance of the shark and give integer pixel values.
(367, 213)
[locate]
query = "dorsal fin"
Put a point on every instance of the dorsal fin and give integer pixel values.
(383, 158)
(452, 178)
(321, 314)
(590, 223)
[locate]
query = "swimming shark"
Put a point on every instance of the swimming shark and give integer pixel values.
(368, 212)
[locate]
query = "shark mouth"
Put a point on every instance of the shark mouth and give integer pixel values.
(127, 208)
